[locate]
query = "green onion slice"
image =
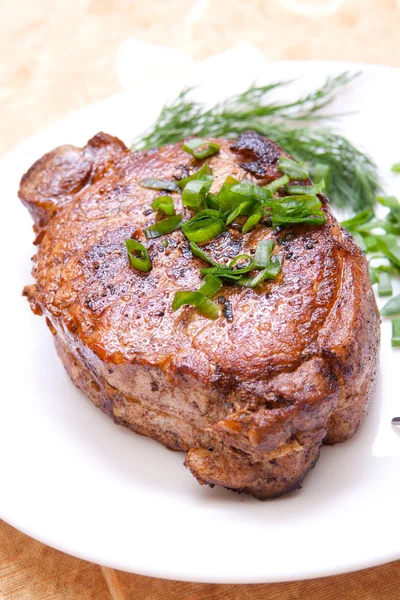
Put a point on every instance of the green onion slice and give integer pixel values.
(275, 185)
(224, 197)
(211, 286)
(239, 210)
(241, 257)
(204, 214)
(396, 332)
(164, 204)
(207, 307)
(212, 202)
(138, 256)
(163, 227)
(384, 283)
(263, 253)
(160, 184)
(392, 307)
(251, 191)
(252, 220)
(194, 193)
(293, 169)
(205, 174)
(388, 245)
(203, 229)
(203, 255)
(200, 148)
(373, 275)
(226, 272)
(296, 210)
(312, 190)
(270, 272)
(200, 299)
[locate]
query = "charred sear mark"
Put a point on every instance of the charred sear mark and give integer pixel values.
(260, 153)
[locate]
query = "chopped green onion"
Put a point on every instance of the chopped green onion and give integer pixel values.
(263, 253)
(276, 184)
(165, 243)
(226, 272)
(388, 245)
(396, 168)
(204, 214)
(163, 227)
(211, 201)
(236, 198)
(372, 275)
(164, 204)
(224, 197)
(296, 210)
(194, 193)
(292, 168)
(205, 173)
(204, 229)
(240, 257)
(207, 307)
(200, 299)
(270, 272)
(138, 256)
(200, 148)
(203, 255)
(392, 307)
(384, 283)
(252, 220)
(396, 333)
(311, 190)
(252, 191)
(238, 211)
(210, 286)
(160, 184)
(359, 219)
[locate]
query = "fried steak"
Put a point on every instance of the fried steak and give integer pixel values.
(251, 397)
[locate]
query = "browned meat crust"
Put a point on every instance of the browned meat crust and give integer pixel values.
(251, 398)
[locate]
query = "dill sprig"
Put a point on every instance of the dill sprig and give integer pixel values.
(353, 175)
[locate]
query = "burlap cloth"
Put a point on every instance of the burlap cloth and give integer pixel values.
(56, 57)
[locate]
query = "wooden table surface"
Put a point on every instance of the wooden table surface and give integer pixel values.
(56, 56)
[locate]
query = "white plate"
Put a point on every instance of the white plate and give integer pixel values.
(75, 481)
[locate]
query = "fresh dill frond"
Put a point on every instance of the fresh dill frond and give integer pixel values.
(353, 175)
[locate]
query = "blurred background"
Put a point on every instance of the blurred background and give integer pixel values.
(60, 55)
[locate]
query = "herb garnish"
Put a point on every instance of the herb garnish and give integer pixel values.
(215, 212)
(350, 175)
(138, 256)
(396, 333)
(160, 184)
(164, 204)
(379, 238)
(163, 227)
(200, 148)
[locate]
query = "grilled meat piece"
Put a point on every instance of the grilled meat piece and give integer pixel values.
(250, 398)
